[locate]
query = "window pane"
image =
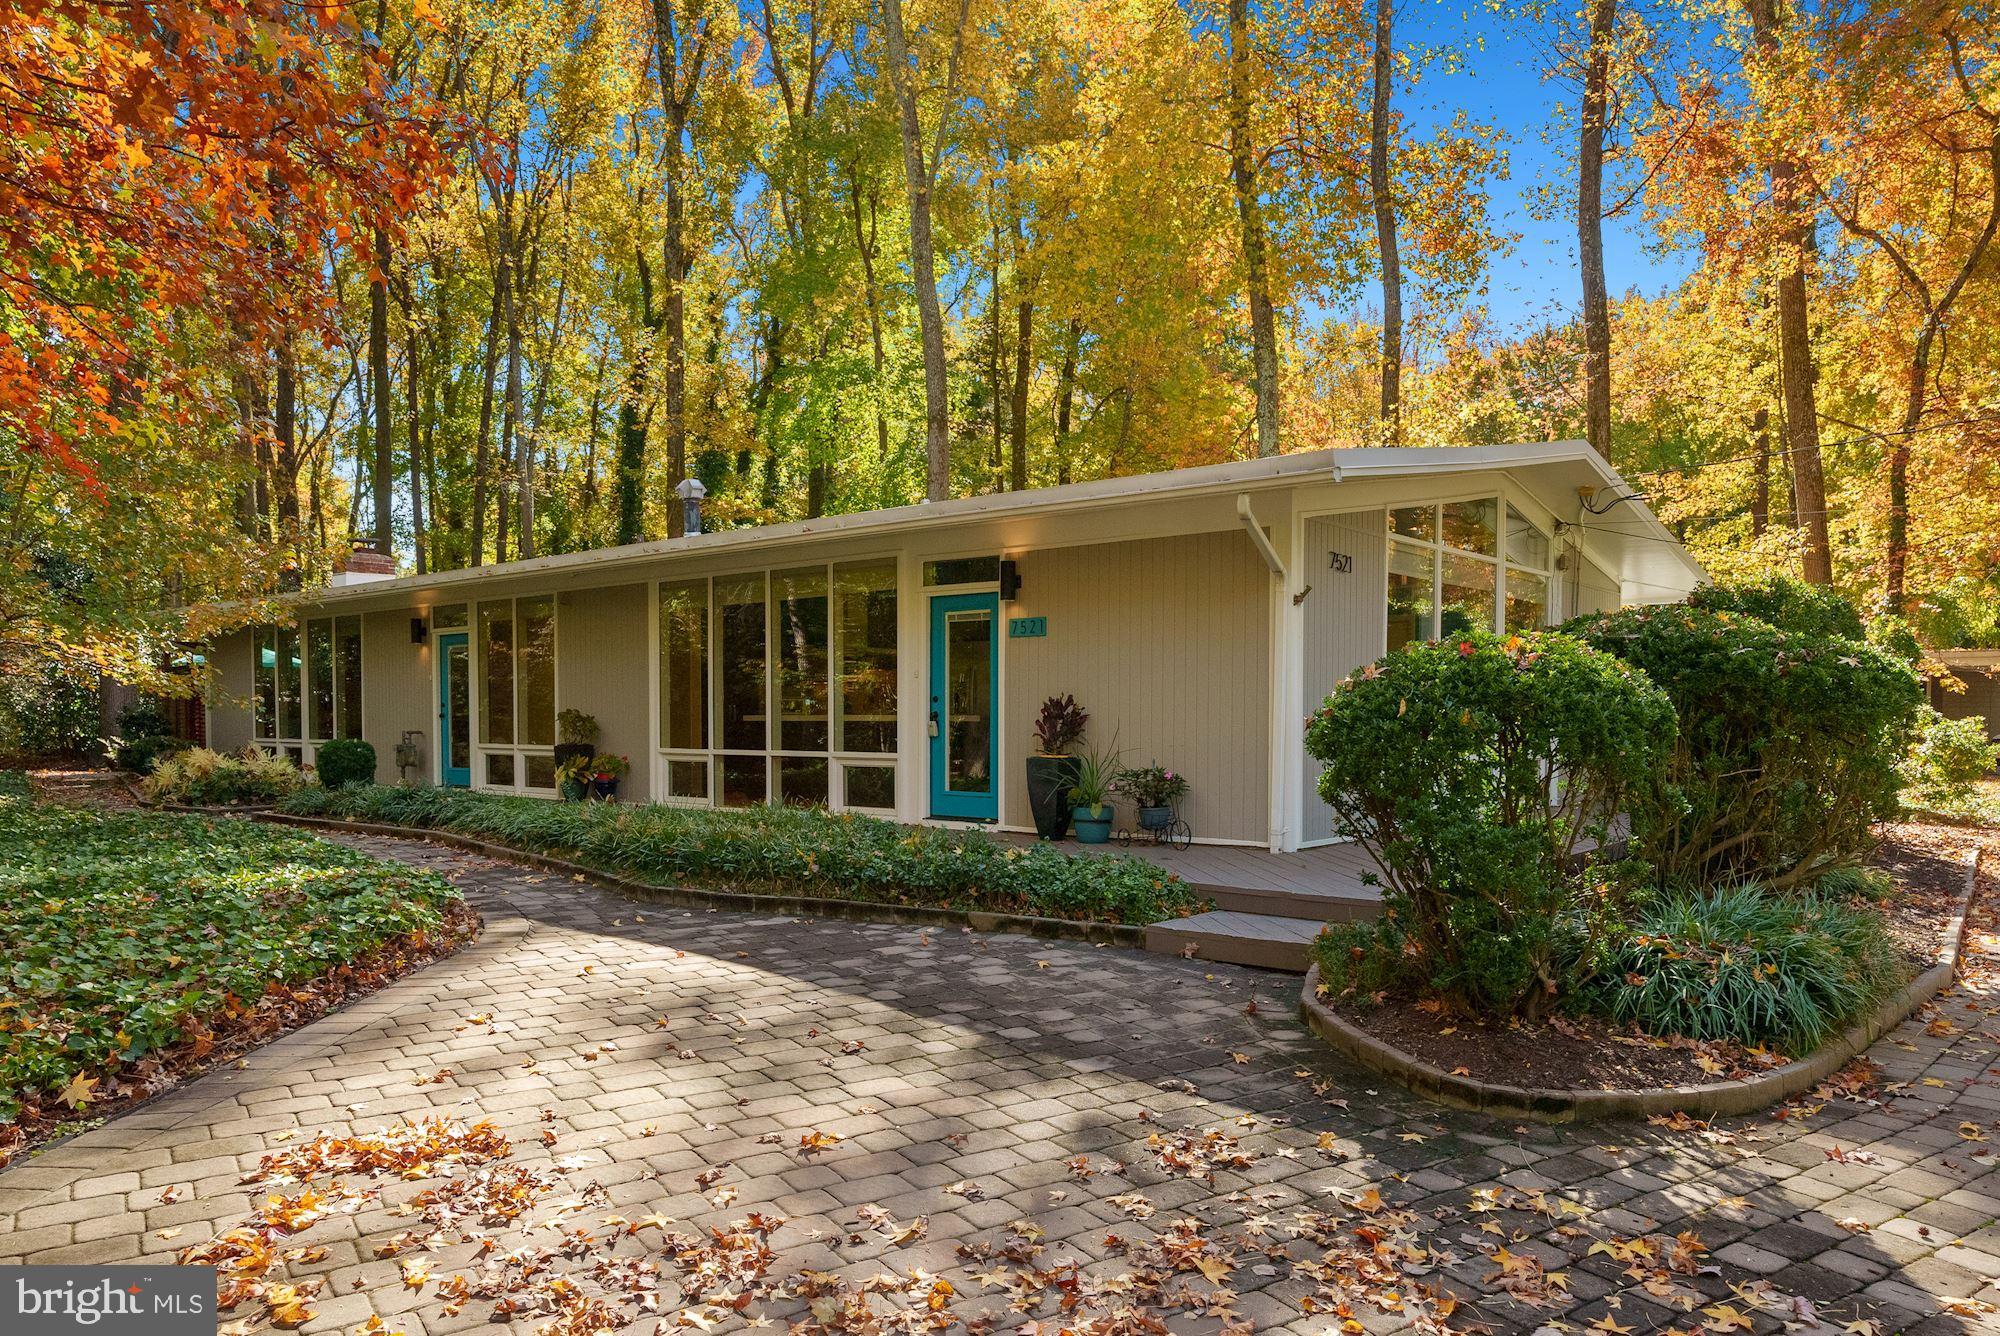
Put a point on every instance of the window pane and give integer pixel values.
(799, 599)
(1418, 522)
(1467, 600)
(1527, 601)
(871, 786)
(1526, 545)
(962, 570)
(500, 769)
(1472, 526)
(450, 617)
(347, 667)
(537, 688)
(684, 667)
(687, 779)
(865, 639)
(1410, 595)
(740, 677)
(540, 770)
(740, 779)
(496, 674)
(319, 678)
(290, 707)
(265, 675)
(969, 701)
(802, 781)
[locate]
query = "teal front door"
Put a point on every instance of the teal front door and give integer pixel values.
(454, 658)
(965, 680)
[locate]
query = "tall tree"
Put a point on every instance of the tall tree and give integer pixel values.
(1256, 242)
(1380, 117)
(1602, 25)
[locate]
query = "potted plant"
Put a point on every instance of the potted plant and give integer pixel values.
(1052, 770)
(573, 778)
(1090, 795)
(1154, 790)
(576, 736)
(605, 771)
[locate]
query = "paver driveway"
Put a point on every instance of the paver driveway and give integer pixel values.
(964, 1075)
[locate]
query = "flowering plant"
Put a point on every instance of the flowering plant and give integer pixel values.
(1153, 785)
(606, 766)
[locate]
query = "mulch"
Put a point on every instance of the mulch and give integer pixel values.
(1928, 863)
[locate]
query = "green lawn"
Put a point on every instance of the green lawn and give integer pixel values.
(133, 942)
(786, 851)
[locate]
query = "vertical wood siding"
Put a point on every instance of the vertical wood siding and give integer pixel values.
(1597, 591)
(232, 660)
(1344, 624)
(1981, 699)
(1167, 643)
(397, 694)
(603, 644)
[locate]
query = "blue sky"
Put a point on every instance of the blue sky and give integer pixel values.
(1500, 85)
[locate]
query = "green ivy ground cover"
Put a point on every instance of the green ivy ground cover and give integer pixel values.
(781, 850)
(124, 935)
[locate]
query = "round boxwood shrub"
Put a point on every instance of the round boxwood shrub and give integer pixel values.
(1743, 962)
(1787, 748)
(1443, 760)
(1786, 603)
(1946, 764)
(344, 762)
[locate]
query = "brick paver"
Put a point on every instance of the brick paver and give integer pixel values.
(963, 1074)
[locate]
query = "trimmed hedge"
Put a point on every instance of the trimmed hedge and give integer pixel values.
(345, 762)
(782, 851)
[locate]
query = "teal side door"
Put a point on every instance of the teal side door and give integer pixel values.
(964, 707)
(454, 660)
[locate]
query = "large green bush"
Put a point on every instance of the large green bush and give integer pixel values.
(1786, 603)
(1787, 747)
(124, 933)
(145, 736)
(1948, 759)
(202, 778)
(1746, 963)
(47, 710)
(345, 762)
(780, 850)
(1443, 761)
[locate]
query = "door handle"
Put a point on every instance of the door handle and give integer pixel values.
(934, 723)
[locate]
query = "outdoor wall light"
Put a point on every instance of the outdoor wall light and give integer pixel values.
(419, 631)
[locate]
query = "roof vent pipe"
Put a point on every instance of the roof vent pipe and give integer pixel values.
(1257, 535)
(691, 491)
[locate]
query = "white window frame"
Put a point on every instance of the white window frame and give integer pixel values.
(332, 623)
(837, 760)
(296, 747)
(476, 698)
(1501, 560)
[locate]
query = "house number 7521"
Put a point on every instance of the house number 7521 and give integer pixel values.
(1340, 561)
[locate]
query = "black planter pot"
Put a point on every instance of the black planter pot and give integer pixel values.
(1049, 781)
(565, 750)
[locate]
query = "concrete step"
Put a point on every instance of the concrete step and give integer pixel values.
(1267, 941)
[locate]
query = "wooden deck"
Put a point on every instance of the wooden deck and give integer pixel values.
(1324, 883)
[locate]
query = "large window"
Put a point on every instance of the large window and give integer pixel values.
(307, 688)
(780, 687)
(1463, 566)
(517, 697)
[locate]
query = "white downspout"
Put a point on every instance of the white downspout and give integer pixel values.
(1257, 535)
(1277, 791)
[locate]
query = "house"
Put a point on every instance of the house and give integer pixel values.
(1975, 692)
(892, 662)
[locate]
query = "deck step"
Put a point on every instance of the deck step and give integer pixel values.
(1321, 907)
(1267, 941)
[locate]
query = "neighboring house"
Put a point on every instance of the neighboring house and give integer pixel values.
(1978, 672)
(892, 662)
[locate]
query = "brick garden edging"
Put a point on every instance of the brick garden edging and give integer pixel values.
(743, 902)
(1706, 1100)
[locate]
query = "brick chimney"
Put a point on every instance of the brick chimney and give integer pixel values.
(363, 565)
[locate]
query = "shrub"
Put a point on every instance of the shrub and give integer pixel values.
(784, 851)
(1787, 746)
(125, 933)
(1947, 761)
(1745, 963)
(47, 710)
(1440, 760)
(1788, 604)
(345, 761)
(200, 777)
(144, 736)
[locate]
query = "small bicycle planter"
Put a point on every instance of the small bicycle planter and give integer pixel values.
(1163, 825)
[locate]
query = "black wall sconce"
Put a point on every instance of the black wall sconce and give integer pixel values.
(420, 631)
(1010, 580)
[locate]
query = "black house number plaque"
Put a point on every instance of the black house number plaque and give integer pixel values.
(1342, 562)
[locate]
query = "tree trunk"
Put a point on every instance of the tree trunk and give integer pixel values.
(1590, 228)
(415, 451)
(864, 245)
(384, 472)
(1760, 500)
(483, 451)
(1066, 396)
(920, 177)
(1385, 226)
(1798, 370)
(1256, 240)
(284, 429)
(1024, 338)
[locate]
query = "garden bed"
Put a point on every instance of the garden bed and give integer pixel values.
(141, 949)
(1583, 1066)
(782, 859)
